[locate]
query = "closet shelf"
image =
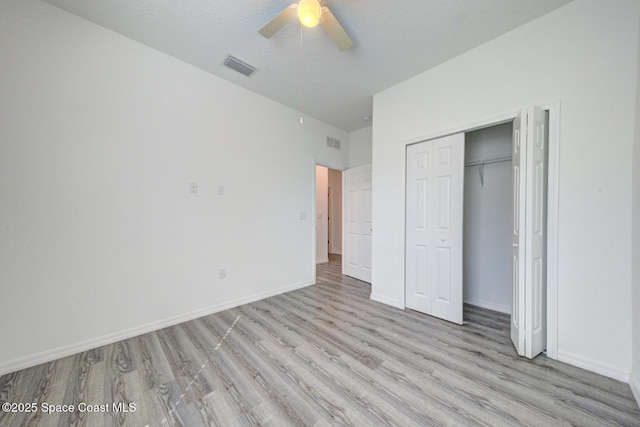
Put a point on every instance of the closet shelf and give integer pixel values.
(488, 161)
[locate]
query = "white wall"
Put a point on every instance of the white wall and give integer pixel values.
(360, 146)
(322, 226)
(487, 220)
(635, 304)
(585, 55)
(335, 216)
(99, 235)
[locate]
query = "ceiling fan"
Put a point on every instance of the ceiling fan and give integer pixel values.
(310, 13)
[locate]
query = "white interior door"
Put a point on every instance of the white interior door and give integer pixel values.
(518, 161)
(358, 225)
(434, 210)
(528, 320)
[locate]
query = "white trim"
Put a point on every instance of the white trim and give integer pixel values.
(402, 226)
(488, 305)
(68, 350)
(634, 384)
(386, 301)
(593, 366)
(321, 261)
(553, 213)
(552, 206)
(314, 225)
(344, 221)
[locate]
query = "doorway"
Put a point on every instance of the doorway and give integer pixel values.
(328, 215)
(487, 218)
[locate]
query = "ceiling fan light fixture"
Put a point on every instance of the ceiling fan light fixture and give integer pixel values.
(309, 12)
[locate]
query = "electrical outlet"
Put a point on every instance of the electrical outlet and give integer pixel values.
(222, 273)
(303, 215)
(220, 190)
(193, 187)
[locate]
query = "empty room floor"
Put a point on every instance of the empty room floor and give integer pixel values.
(321, 355)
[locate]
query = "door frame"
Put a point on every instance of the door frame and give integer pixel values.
(553, 108)
(314, 223)
(329, 206)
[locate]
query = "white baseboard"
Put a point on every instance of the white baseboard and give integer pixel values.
(593, 366)
(387, 301)
(634, 383)
(68, 350)
(488, 305)
(322, 260)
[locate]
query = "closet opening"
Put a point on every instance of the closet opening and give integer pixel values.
(481, 225)
(488, 215)
(487, 219)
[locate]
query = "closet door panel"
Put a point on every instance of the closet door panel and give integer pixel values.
(536, 296)
(434, 203)
(518, 161)
(528, 320)
(418, 227)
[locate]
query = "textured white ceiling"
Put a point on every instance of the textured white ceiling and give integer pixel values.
(392, 41)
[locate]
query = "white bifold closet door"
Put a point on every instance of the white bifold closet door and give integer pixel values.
(434, 212)
(434, 218)
(528, 318)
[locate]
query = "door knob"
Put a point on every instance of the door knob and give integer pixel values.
(442, 239)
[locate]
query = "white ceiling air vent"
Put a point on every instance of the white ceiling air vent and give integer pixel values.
(333, 143)
(239, 66)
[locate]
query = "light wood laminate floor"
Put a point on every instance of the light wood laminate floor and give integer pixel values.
(319, 356)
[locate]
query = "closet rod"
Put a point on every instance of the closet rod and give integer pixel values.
(488, 161)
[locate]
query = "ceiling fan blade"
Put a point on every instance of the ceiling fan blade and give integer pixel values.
(335, 30)
(277, 23)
